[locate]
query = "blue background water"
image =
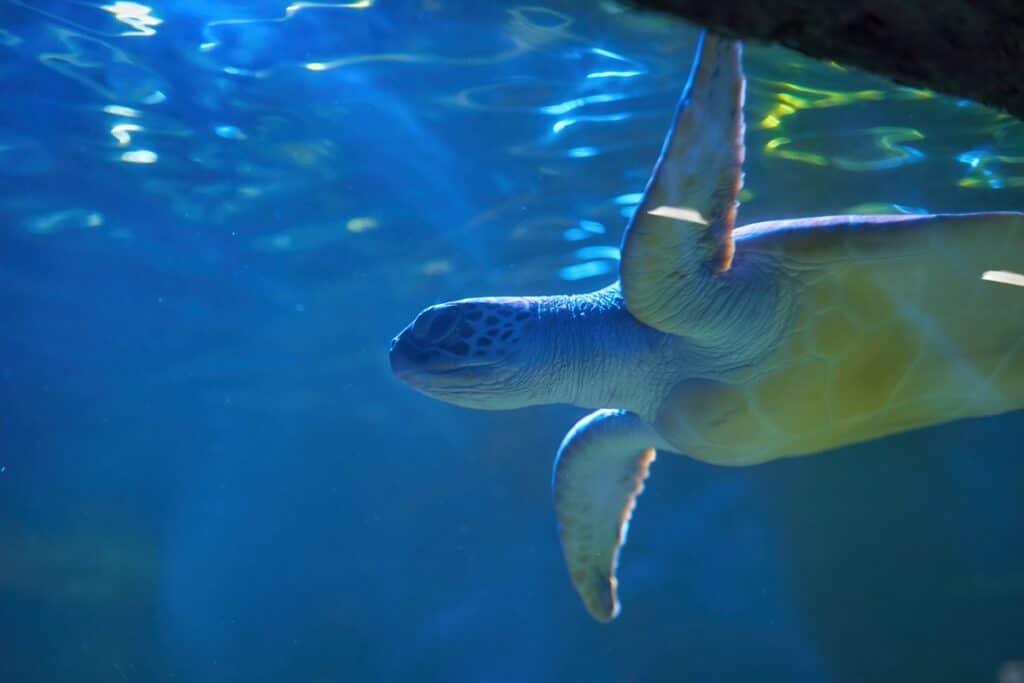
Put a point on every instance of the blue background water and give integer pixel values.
(216, 214)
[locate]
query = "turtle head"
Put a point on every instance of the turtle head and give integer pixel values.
(474, 352)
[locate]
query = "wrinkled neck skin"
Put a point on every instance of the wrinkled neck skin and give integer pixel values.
(594, 354)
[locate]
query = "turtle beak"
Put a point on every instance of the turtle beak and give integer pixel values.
(419, 346)
(403, 354)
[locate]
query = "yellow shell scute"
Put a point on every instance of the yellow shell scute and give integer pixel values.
(834, 335)
(794, 397)
(866, 381)
(863, 299)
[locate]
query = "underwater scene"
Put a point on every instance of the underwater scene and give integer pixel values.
(228, 233)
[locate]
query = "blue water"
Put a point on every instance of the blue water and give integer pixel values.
(215, 215)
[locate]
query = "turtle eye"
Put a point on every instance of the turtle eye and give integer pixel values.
(435, 324)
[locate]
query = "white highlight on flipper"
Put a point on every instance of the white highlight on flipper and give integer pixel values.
(677, 213)
(1004, 277)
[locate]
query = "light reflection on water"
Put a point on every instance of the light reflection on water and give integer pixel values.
(610, 102)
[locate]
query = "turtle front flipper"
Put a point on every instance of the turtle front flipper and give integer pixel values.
(681, 234)
(598, 475)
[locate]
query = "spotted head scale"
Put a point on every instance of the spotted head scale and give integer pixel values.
(472, 352)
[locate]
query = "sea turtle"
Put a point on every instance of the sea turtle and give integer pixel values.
(735, 346)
